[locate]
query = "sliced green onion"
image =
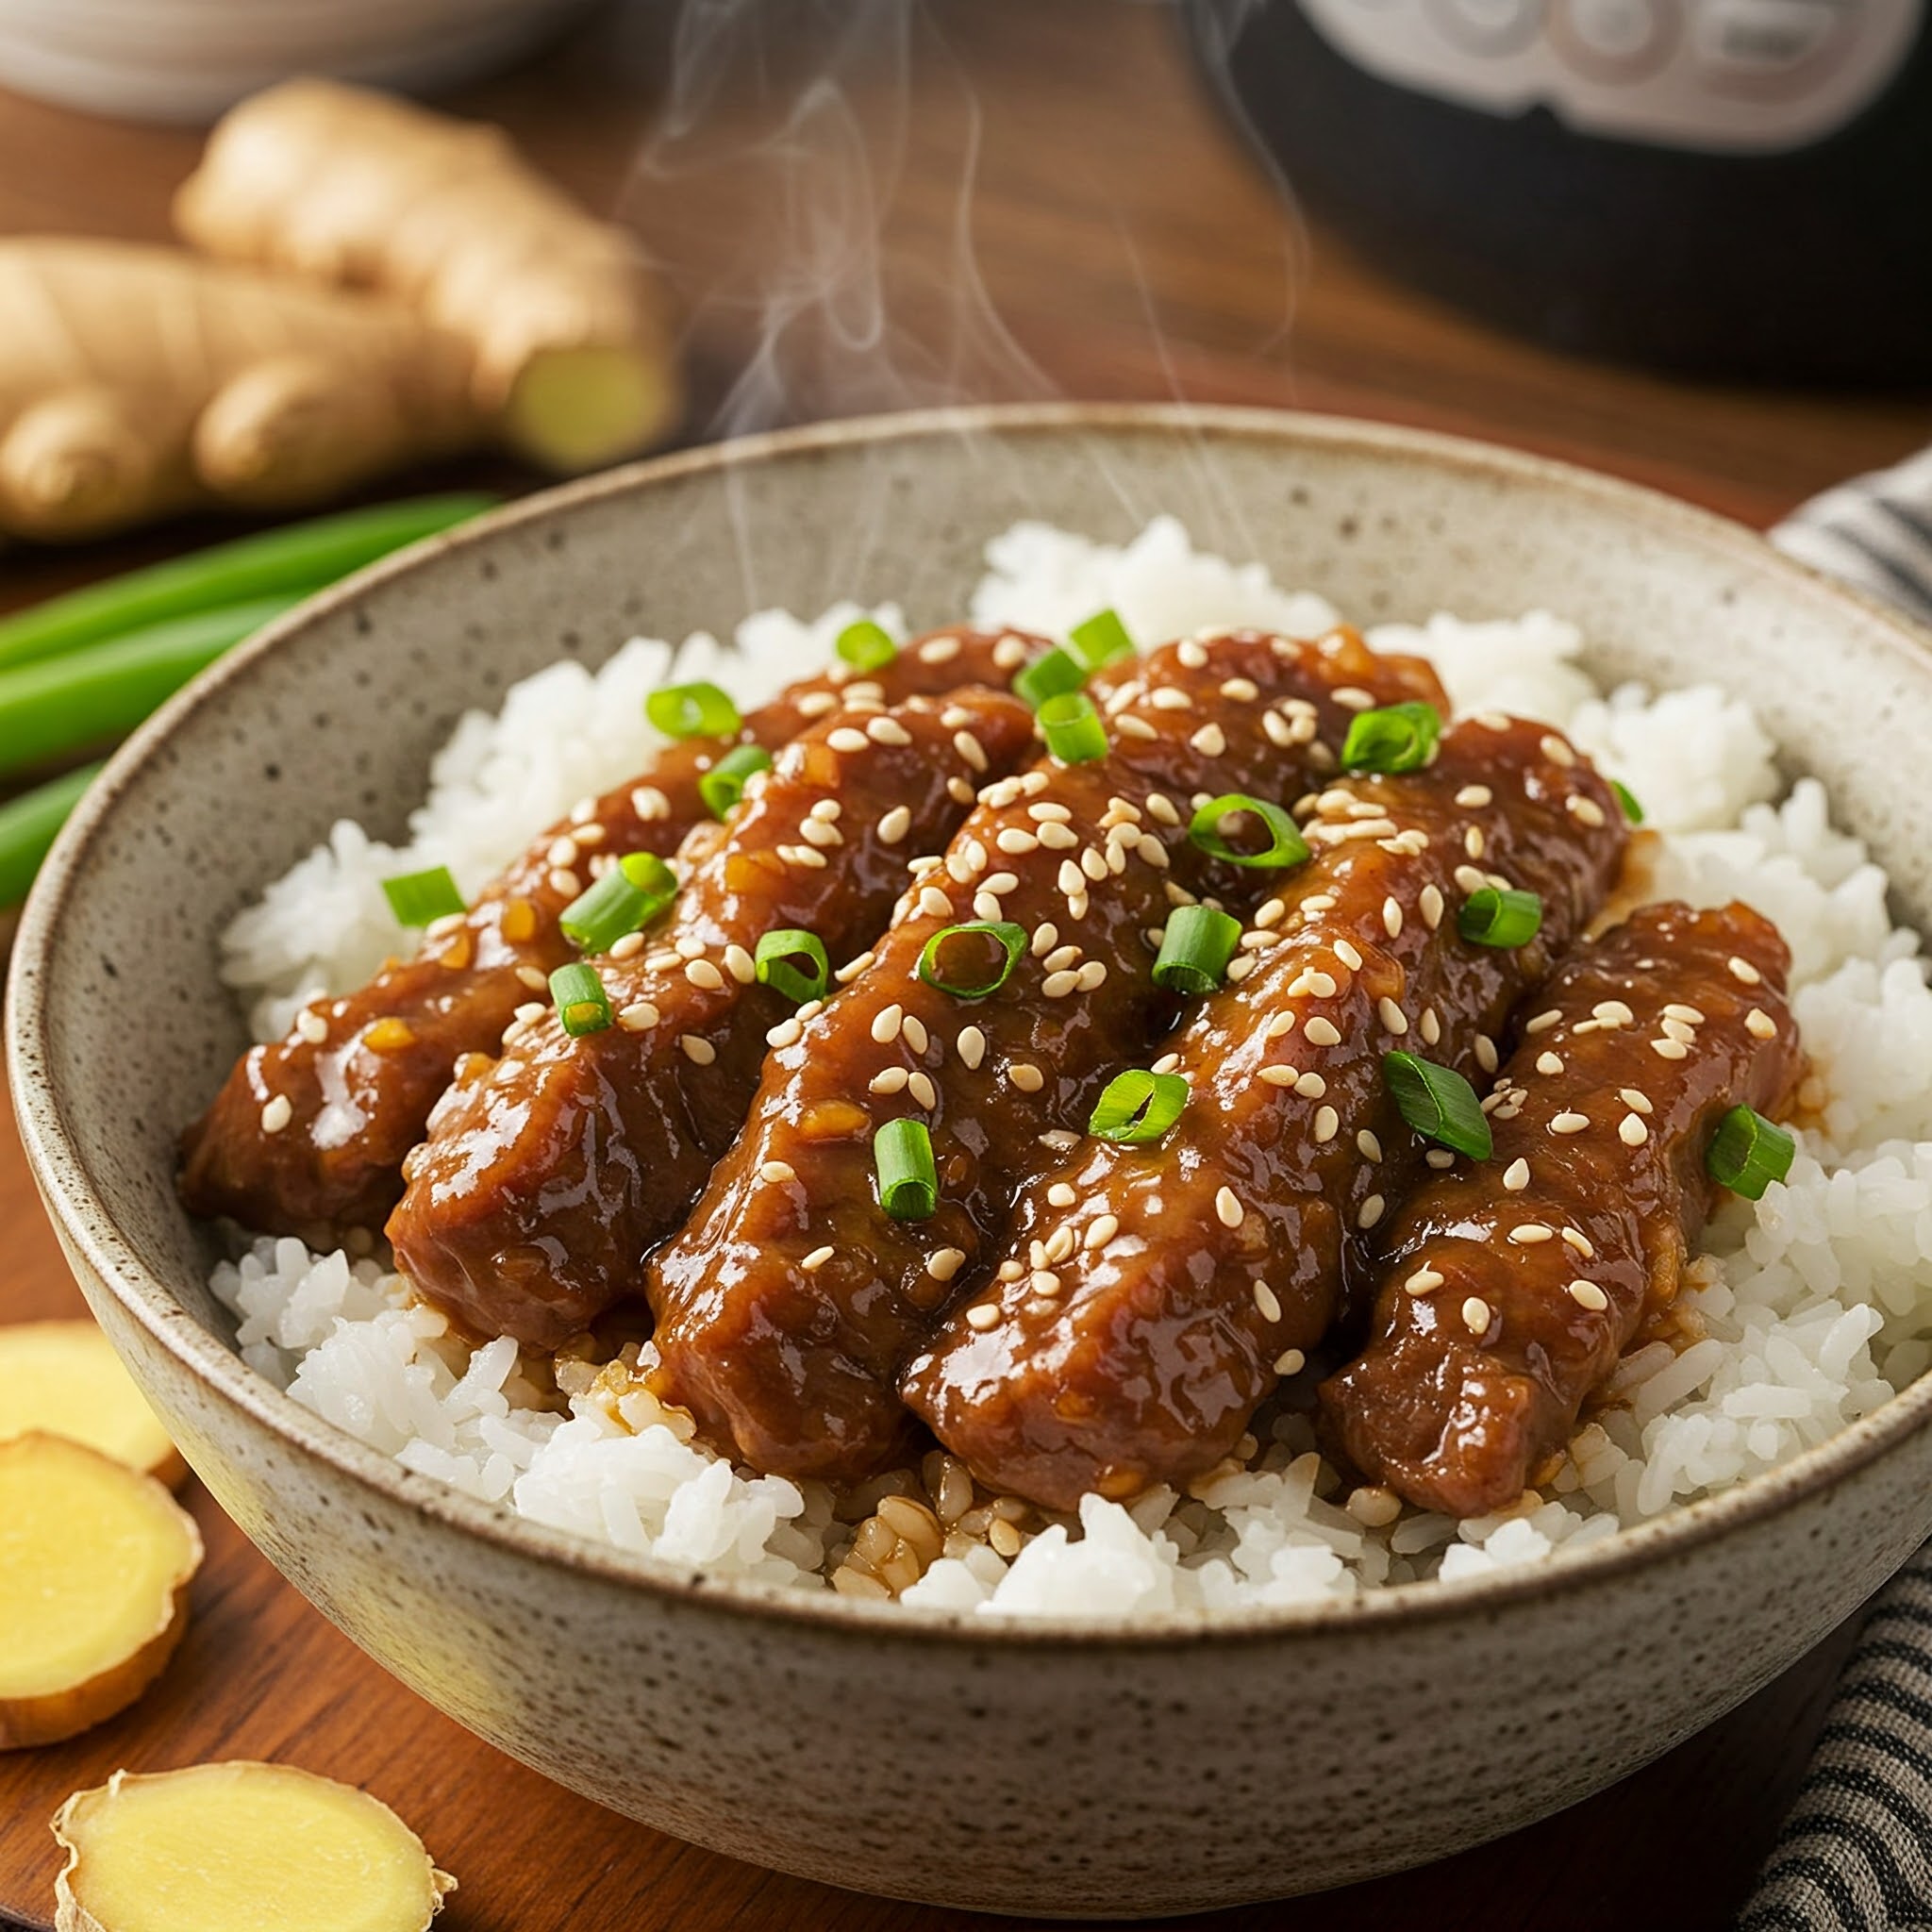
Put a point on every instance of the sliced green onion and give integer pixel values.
(1748, 1152)
(1102, 641)
(1438, 1104)
(1195, 949)
(417, 898)
(1075, 734)
(1138, 1106)
(1492, 918)
(865, 646)
(1393, 738)
(909, 1180)
(628, 896)
(287, 562)
(1011, 938)
(1284, 846)
(1048, 678)
(723, 786)
(692, 711)
(58, 705)
(1627, 799)
(776, 962)
(27, 825)
(582, 1004)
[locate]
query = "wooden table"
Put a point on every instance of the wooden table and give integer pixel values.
(1129, 248)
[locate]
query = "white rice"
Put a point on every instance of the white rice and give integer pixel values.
(1809, 1309)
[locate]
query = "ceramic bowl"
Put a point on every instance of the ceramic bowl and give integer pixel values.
(1043, 1769)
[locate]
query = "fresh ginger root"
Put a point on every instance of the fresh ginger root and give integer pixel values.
(136, 381)
(63, 1378)
(355, 188)
(239, 1847)
(96, 1560)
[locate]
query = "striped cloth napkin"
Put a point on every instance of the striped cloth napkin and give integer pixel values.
(1856, 1851)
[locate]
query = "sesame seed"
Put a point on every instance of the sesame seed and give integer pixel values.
(972, 1046)
(1291, 1361)
(1278, 1077)
(1439, 1157)
(887, 1023)
(1580, 1242)
(1070, 880)
(529, 975)
(1544, 1021)
(1093, 975)
(895, 824)
(777, 1171)
(884, 731)
(699, 1051)
(1027, 1076)
(1012, 1271)
(1132, 726)
(943, 1263)
(934, 903)
(1321, 1032)
(1474, 796)
(1093, 863)
(1585, 810)
(1424, 1281)
(1636, 1098)
(1393, 1017)
(1322, 985)
(1045, 1282)
(1310, 1086)
(1485, 1053)
(1469, 879)
(1430, 905)
(1014, 840)
(1391, 918)
(1167, 1063)
(1370, 1148)
(982, 1316)
(1743, 970)
(817, 831)
(1614, 1013)
(1009, 652)
(1476, 1315)
(628, 946)
(1280, 1025)
(1516, 1175)
(1429, 1027)
(1244, 691)
(1472, 841)
(1760, 1024)
(278, 1114)
(939, 650)
(312, 1027)
(806, 855)
(1267, 1302)
(845, 739)
(1547, 1062)
(1557, 750)
(970, 749)
(1191, 655)
(1060, 1195)
(1103, 1231)
(987, 906)
(1210, 741)
(916, 1036)
(1167, 697)
(1371, 1211)
(1526, 1234)
(564, 883)
(1587, 1294)
(816, 1259)
(649, 802)
(1353, 697)
(1668, 1049)
(1631, 1130)
(921, 1088)
(1057, 837)
(1569, 1124)
(701, 972)
(1056, 986)
(1228, 1208)
(853, 968)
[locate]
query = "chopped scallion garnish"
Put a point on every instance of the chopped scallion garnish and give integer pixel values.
(1627, 799)
(988, 936)
(418, 898)
(582, 1004)
(1285, 845)
(1748, 1152)
(1195, 949)
(625, 900)
(909, 1180)
(1393, 738)
(1075, 734)
(866, 645)
(723, 786)
(692, 711)
(1491, 917)
(1102, 641)
(1138, 1106)
(1438, 1104)
(776, 962)
(1048, 678)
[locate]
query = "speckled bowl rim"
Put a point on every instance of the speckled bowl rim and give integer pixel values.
(149, 1302)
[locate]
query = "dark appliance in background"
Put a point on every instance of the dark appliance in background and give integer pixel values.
(1731, 189)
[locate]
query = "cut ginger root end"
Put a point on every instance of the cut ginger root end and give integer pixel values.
(63, 1378)
(96, 1560)
(239, 1847)
(572, 354)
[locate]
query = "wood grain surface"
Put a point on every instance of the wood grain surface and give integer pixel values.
(1065, 163)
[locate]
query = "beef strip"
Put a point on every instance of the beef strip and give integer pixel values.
(307, 1134)
(1511, 1285)
(785, 1308)
(1154, 1293)
(548, 1174)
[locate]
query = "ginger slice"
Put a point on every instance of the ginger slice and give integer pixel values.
(64, 1379)
(96, 1560)
(238, 1848)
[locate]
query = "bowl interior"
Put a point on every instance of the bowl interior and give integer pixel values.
(119, 1029)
